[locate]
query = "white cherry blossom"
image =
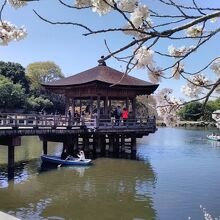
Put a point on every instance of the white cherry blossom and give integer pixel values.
(194, 89)
(144, 57)
(10, 32)
(101, 7)
(177, 70)
(16, 3)
(154, 74)
(83, 3)
(179, 52)
(215, 66)
(139, 15)
(127, 5)
(194, 31)
(167, 106)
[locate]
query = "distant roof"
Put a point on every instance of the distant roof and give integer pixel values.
(100, 73)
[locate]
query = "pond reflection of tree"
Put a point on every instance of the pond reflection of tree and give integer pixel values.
(110, 189)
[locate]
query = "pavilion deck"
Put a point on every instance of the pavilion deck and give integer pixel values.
(30, 124)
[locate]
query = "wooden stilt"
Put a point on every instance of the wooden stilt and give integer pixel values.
(116, 145)
(44, 147)
(86, 143)
(111, 144)
(11, 162)
(75, 143)
(122, 143)
(98, 146)
(133, 144)
(103, 145)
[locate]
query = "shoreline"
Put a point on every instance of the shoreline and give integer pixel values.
(189, 124)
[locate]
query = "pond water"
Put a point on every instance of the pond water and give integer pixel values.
(177, 171)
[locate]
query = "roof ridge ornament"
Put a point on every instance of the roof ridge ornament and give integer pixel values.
(102, 61)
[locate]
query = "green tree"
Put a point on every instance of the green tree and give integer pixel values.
(191, 111)
(11, 95)
(15, 72)
(42, 72)
(38, 103)
(210, 107)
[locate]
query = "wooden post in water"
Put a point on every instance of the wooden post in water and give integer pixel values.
(11, 142)
(11, 161)
(97, 140)
(133, 144)
(75, 142)
(103, 145)
(116, 145)
(111, 144)
(123, 143)
(86, 142)
(44, 147)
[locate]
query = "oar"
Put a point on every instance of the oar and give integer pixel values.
(58, 166)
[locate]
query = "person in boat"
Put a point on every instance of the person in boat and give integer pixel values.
(64, 155)
(69, 157)
(81, 155)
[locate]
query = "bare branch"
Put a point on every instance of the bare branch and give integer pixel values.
(1, 10)
(63, 23)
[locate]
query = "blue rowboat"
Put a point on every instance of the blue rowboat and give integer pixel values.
(213, 137)
(59, 161)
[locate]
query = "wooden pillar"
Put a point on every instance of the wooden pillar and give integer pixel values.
(44, 147)
(147, 106)
(97, 143)
(106, 105)
(91, 105)
(67, 105)
(65, 148)
(68, 144)
(98, 110)
(133, 144)
(109, 107)
(86, 142)
(116, 145)
(75, 142)
(103, 145)
(122, 143)
(73, 105)
(11, 161)
(80, 106)
(134, 107)
(127, 103)
(111, 143)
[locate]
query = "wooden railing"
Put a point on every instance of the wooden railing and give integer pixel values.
(42, 121)
(149, 122)
(61, 121)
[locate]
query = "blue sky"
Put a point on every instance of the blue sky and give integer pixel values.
(73, 52)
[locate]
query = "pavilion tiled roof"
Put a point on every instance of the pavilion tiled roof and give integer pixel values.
(103, 74)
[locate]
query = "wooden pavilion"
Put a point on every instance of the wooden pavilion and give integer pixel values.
(96, 92)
